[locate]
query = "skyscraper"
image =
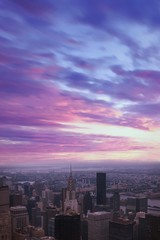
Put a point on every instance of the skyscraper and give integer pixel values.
(64, 190)
(71, 201)
(50, 213)
(4, 199)
(121, 229)
(15, 199)
(98, 225)
(116, 201)
(87, 203)
(5, 226)
(51, 227)
(149, 227)
(19, 217)
(84, 229)
(31, 204)
(36, 217)
(101, 188)
(5, 219)
(67, 227)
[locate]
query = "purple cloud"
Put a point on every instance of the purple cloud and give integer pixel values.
(151, 110)
(97, 12)
(72, 62)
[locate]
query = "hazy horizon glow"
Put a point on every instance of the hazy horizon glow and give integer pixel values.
(80, 81)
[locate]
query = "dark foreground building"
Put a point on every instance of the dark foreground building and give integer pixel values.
(153, 227)
(121, 230)
(67, 227)
(149, 227)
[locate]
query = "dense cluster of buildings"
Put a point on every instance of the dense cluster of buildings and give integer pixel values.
(33, 211)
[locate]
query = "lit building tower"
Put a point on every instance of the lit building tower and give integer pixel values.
(71, 186)
(5, 219)
(101, 188)
(71, 201)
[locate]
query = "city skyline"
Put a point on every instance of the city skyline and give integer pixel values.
(79, 82)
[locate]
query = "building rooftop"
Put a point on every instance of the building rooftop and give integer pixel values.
(18, 208)
(124, 221)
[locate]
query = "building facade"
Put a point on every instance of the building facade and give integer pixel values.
(19, 217)
(5, 226)
(121, 230)
(137, 204)
(87, 203)
(67, 227)
(101, 188)
(149, 227)
(98, 225)
(116, 201)
(4, 199)
(5, 218)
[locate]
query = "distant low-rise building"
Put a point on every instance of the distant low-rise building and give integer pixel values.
(137, 204)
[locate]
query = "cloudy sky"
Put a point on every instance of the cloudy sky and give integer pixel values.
(79, 81)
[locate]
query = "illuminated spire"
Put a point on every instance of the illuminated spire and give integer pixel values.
(71, 183)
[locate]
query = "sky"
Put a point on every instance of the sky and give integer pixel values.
(79, 81)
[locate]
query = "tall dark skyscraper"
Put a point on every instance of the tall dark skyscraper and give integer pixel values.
(87, 203)
(36, 217)
(101, 188)
(4, 199)
(116, 201)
